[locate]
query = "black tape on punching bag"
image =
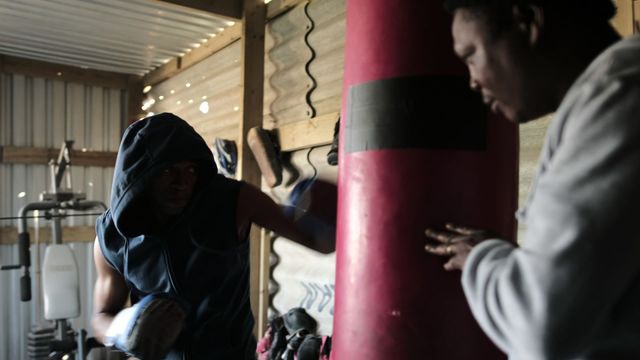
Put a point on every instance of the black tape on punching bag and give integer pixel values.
(427, 112)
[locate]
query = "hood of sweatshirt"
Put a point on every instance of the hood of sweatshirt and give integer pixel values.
(148, 146)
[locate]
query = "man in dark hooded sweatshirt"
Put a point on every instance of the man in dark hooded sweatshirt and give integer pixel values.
(176, 241)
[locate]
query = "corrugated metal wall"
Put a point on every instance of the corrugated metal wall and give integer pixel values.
(37, 112)
(216, 80)
(286, 81)
(18, 317)
(302, 277)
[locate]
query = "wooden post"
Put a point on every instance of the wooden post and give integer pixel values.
(636, 16)
(254, 19)
(304, 134)
(623, 21)
(134, 100)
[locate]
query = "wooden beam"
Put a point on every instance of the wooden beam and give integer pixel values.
(9, 234)
(227, 8)
(230, 35)
(253, 85)
(254, 21)
(27, 155)
(623, 21)
(134, 100)
(307, 133)
(36, 68)
(636, 16)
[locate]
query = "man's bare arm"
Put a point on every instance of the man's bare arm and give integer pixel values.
(255, 206)
(110, 294)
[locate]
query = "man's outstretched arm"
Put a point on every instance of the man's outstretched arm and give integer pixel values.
(109, 294)
(256, 207)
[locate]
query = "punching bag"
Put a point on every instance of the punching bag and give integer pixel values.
(418, 149)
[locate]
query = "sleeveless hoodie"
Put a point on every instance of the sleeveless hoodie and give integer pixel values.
(198, 258)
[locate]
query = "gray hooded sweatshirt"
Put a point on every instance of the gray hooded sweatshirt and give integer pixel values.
(572, 290)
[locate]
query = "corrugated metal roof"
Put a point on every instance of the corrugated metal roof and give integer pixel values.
(126, 36)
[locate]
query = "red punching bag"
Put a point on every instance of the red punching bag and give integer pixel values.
(418, 149)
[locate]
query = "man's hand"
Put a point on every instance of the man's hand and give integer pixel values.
(456, 244)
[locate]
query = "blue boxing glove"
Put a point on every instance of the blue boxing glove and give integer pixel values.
(312, 206)
(148, 329)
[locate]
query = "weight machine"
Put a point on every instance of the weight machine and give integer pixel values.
(60, 280)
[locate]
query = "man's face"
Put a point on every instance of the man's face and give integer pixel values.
(173, 187)
(497, 64)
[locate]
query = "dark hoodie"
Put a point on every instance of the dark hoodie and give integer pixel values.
(196, 258)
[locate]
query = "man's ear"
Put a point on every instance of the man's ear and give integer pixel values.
(529, 19)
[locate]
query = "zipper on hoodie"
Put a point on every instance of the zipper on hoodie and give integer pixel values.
(167, 262)
(174, 286)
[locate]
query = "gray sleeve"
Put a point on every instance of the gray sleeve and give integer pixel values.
(552, 297)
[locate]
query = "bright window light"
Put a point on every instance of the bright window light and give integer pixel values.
(204, 107)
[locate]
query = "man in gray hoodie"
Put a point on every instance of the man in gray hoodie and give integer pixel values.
(572, 289)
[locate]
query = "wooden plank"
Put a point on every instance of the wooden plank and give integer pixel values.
(252, 57)
(623, 21)
(29, 155)
(636, 16)
(254, 21)
(227, 8)
(224, 39)
(307, 133)
(134, 100)
(36, 68)
(9, 234)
